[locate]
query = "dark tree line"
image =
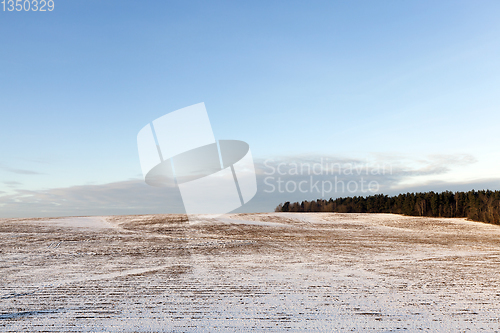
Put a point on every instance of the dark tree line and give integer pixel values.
(483, 206)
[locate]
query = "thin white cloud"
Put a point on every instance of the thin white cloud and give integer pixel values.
(12, 183)
(119, 198)
(20, 171)
(135, 197)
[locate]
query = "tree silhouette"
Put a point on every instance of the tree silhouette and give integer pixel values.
(481, 206)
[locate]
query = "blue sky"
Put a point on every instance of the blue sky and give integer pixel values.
(409, 83)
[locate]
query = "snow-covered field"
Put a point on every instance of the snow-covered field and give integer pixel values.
(249, 272)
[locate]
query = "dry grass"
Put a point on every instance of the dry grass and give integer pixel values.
(249, 272)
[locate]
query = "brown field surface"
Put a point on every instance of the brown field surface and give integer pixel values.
(249, 272)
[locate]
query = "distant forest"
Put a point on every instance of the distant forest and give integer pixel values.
(483, 206)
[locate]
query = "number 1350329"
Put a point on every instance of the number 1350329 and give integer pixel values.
(27, 5)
